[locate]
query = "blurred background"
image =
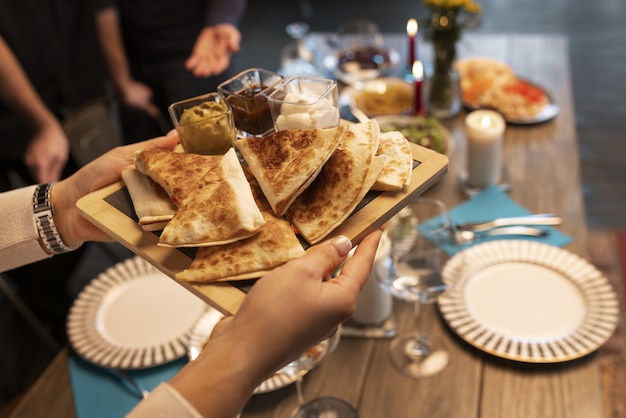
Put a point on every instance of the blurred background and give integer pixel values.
(597, 42)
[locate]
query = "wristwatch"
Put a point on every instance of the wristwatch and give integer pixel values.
(43, 212)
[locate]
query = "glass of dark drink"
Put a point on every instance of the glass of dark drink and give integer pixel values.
(362, 54)
(247, 93)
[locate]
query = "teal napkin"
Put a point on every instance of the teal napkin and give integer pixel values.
(493, 203)
(97, 393)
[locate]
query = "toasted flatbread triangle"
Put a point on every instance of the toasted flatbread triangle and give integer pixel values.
(286, 162)
(176, 172)
(398, 162)
(153, 206)
(339, 187)
(220, 210)
(252, 257)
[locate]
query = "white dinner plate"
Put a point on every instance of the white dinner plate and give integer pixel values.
(528, 301)
(133, 316)
(283, 377)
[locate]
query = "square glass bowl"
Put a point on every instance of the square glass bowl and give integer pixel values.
(246, 93)
(204, 124)
(305, 103)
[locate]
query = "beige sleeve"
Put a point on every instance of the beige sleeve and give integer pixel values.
(19, 239)
(166, 402)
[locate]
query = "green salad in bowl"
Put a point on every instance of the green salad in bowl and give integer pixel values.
(426, 131)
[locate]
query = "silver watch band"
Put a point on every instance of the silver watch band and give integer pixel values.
(43, 213)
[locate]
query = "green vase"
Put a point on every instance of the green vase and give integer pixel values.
(442, 87)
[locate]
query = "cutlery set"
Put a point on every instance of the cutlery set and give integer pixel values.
(465, 233)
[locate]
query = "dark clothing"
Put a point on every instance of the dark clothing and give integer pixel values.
(55, 41)
(159, 36)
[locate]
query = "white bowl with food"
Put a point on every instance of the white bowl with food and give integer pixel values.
(426, 131)
(380, 96)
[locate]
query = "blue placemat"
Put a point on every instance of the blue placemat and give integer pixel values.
(493, 203)
(98, 393)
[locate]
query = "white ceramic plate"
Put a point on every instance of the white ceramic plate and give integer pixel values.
(201, 332)
(528, 301)
(132, 316)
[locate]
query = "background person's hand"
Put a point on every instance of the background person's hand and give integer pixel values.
(212, 50)
(105, 170)
(47, 153)
(138, 96)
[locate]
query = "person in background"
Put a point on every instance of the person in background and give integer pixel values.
(158, 52)
(244, 349)
(50, 65)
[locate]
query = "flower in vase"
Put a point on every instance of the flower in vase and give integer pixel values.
(447, 20)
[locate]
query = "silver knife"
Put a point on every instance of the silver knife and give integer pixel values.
(539, 219)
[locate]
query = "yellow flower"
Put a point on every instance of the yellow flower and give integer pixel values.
(468, 5)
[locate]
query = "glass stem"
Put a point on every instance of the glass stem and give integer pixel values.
(421, 347)
(299, 389)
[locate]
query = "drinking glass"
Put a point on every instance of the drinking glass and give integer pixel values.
(204, 124)
(316, 406)
(304, 102)
(361, 55)
(412, 273)
(246, 93)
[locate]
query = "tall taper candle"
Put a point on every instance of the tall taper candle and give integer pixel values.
(418, 79)
(411, 31)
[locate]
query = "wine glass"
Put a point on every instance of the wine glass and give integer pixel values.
(412, 273)
(361, 54)
(317, 405)
(298, 56)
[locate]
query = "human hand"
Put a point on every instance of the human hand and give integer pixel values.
(298, 304)
(286, 312)
(104, 170)
(47, 153)
(138, 96)
(212, 50)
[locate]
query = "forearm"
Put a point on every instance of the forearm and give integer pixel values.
(222, 379)
(113, 50)
(19, 241)
(17, 92)
(225, 12)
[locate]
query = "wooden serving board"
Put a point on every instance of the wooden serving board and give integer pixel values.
(111, 209)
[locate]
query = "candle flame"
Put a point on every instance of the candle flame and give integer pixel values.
(418, 70)
(485, 122)
(411, 27)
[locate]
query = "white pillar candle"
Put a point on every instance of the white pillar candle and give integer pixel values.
(374, 305)
(485, 131)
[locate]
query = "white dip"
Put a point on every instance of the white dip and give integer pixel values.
(305, 111)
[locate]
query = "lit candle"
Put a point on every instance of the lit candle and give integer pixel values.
(411, 31)
(485, 131)
(418, 78)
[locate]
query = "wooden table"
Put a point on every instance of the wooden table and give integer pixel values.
(543, 163)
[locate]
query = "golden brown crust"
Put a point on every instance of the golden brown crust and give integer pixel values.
(250, 258)
(220, 209)
(176, 172)
(339, 187)
(286, 162)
